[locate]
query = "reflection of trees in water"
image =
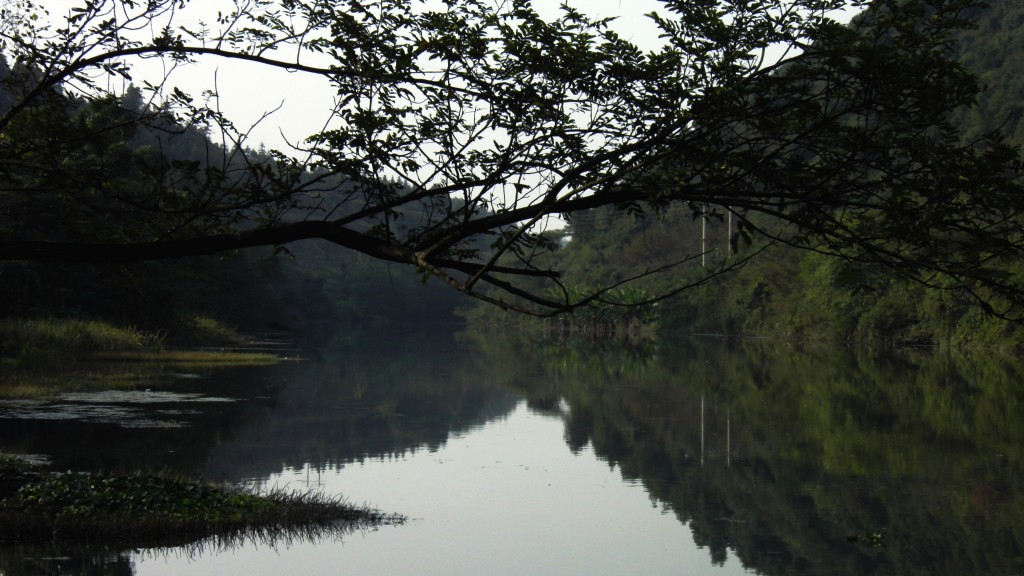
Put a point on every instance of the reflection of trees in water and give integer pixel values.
(74, 445)
(368, 397)
(38, 561)
(805, 461)
(99, 559)
(401, 392)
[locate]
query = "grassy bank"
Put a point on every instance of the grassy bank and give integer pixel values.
(40, 358)
(141, 510)
(46, 343)
(188, 358)
(44, 357)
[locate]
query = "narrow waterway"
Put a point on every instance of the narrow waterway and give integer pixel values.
(507, 497)
(517, 457)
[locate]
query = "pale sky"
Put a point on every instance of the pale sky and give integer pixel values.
(306, 100)
(247, 91)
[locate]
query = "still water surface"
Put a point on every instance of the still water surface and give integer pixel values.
(512, 457)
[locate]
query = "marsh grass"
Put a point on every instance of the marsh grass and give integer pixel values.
(209, 331)
(40, 358)
(142, 510)
(10, 463)
(193, 357)
(42, 343)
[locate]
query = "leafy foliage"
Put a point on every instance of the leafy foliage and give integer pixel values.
(486, 121)
(787, 292)
(994, 50)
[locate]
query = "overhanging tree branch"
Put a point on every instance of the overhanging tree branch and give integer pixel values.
(457, 134)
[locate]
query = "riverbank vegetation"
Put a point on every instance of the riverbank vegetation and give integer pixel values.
(44, 357)
(782, 293)
(743, 283)
(71, 338)
(50, 343)
(45, 342)
(141, 510)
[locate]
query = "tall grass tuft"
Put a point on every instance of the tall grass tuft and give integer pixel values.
(41, 342)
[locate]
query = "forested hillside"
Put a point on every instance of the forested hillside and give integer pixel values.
(797, 293)
(994, 50)
(846, 142)
(304, 287)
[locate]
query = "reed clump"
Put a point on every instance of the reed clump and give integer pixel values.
(140, 510)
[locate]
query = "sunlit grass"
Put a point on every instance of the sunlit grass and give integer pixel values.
(123, 371)
(202, 330)
(82, 335)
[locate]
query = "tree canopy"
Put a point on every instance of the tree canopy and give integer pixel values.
(459, 128)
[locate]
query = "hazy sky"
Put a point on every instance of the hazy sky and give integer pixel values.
(304, 109)
(247, 91)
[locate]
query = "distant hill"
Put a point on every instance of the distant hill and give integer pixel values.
(307, 288)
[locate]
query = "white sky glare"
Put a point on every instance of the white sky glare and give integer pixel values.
(305, 101)
(302, 102)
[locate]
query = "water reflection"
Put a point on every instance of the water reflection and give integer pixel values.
(807, 461)
(355, 398)
(35, 561)
(793, 460)
(117, 432)
(378, 399)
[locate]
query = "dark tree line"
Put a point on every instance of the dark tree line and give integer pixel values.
(302, 288)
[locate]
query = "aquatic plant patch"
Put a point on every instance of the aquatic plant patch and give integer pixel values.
(152, 510)
(138, 397)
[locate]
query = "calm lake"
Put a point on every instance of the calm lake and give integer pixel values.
(710, 456)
